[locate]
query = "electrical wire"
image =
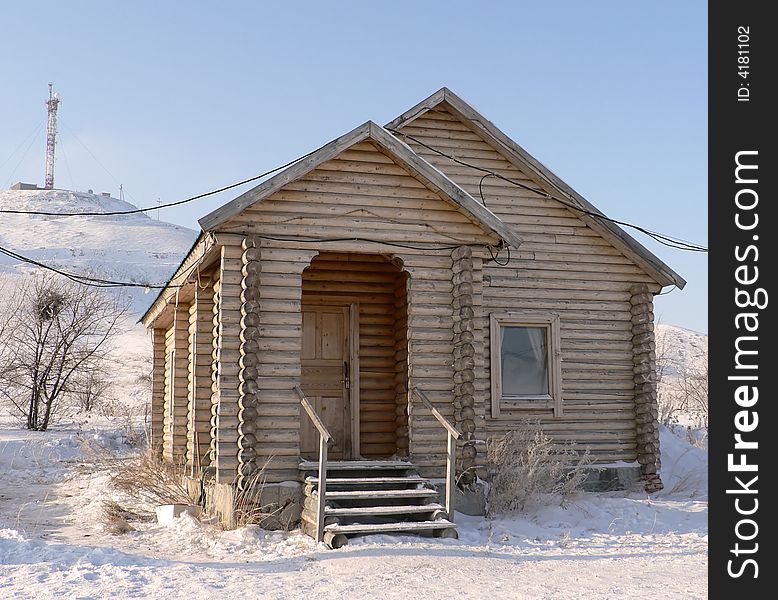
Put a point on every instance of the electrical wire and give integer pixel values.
(77, 278)
(109, 283)
(98, 282)
(666, 240)
(481, 189)
(348, 239)
(152, 208)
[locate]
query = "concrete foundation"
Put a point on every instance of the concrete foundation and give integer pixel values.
(609, 478)
(281, 503)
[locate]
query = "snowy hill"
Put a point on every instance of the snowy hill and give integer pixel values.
(680, 349)
(682, 357)
(134, 248)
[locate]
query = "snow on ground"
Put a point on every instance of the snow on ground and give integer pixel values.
(613, 545)
(53, 543)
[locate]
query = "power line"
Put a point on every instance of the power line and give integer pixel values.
(77, 278)
(109, 283)
(666, 240)
(43, 213)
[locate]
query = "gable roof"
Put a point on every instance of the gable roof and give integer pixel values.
(396, 149)
(544, 177)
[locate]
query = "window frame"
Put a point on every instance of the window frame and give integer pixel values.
(551, 401)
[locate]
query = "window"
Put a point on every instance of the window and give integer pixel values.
(526, 364)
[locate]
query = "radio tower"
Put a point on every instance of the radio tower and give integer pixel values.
(51, 134)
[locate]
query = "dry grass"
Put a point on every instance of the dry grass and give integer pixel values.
(116, 519)
(247, 501)
(525, 464)
(248, 507)
(143, 479)
(149, 480)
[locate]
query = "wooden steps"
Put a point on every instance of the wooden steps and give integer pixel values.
(415, 527)
(366, 497)
(354, 465)
(381, 494)
(383, 510)
(349, 481)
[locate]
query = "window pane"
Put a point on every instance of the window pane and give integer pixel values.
(524, 361)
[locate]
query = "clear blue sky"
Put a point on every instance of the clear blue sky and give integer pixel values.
(179, 98)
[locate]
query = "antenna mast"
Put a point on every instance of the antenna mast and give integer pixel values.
(51, 133)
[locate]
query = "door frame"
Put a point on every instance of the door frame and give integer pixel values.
(353, 352)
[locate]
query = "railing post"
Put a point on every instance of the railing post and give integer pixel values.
(451, 450)
(322, 488)
(451, 466)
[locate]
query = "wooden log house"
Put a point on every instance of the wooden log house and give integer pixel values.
(391, 302)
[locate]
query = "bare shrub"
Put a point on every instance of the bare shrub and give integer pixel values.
(143, 479)
(129, 416)
(525, 464)
(151, 480)
(248, 507)
(116, 518)
(247, 501)
(90, 390)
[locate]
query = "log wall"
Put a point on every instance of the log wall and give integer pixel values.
(200, 345)
(361, 194)
(563, 267)
(226, 387)
(176, 386)
(157, 389)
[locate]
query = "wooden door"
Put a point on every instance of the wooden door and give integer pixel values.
(326, 378)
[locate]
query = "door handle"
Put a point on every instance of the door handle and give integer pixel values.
(346, 377)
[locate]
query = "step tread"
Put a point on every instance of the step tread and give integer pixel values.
(367, 494)
(381, 527)
(367, 480)
(337, 465)
(381, 510)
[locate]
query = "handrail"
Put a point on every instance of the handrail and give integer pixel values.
(317, 422)
(441, 419)
(324, 439)
(451, 450)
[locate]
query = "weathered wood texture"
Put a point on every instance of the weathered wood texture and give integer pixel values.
(369, 280)
(176, 371)
(646, 407)
(465, 297)
(401, 363)
(563, 267)
(226, 394)
(249, 361)
(215, 358)
(199, 375)
(487, 131)
(364, 199)
(360, 193)
(157, 389)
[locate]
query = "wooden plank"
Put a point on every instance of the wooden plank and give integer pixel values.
(403, 526)
(546, 179)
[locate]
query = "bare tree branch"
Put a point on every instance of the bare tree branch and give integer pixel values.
(57, 332)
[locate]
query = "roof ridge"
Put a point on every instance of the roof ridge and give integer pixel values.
(543, 176)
